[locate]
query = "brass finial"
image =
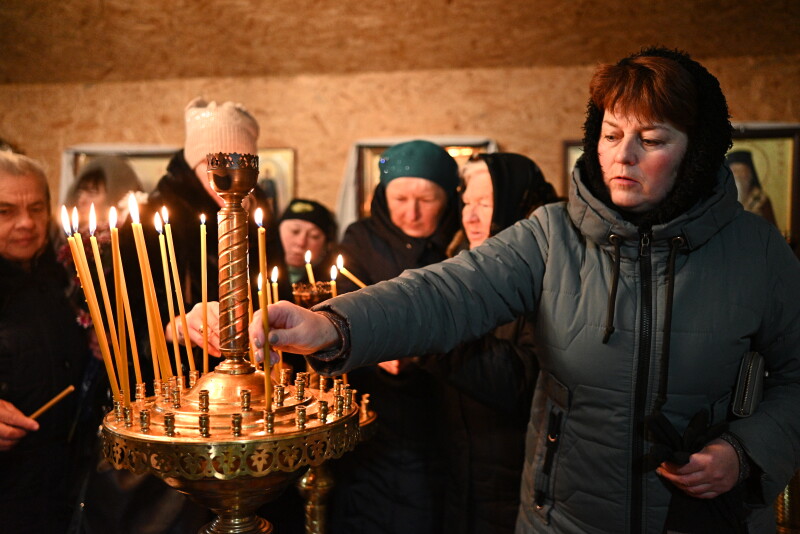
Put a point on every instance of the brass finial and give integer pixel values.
(236, 424)
(169, 424)
(245, 400)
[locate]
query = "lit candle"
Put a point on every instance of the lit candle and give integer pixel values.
(334, 272)
(274, 300)
(115, 259)
(122, 296)
(176, 349)
(268, 292)
(309, 270)
(91, 299)
(250, 317)
(262, 302)
(262, 246)
(348, 274)
(178, 291)
(204, 289)
(151, 308)
(275, 285)
(122, 363)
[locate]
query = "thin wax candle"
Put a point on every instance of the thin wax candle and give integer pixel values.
(262, 301)
(348, 274)
(178, 291)
(204, 289)
(168, 286)
(333, 280)
(309, 269)
(88, 290)
(122, 296)
(161, 371)
(122, 362)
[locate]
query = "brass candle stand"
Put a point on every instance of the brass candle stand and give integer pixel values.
(217, 440)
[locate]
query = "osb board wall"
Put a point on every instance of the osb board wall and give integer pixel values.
(530, 111)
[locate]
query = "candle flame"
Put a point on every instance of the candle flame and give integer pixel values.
(75, 220)
(308, 256)
(202, 218)
(334, 272)
(259, 217)
(92, 219)
(133, 208)
(65, 220)
(274, 274)
(112, 217)
(340, 262)
(165, 214)
(259, 282)
(157, 222)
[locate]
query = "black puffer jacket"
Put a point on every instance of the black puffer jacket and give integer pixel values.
(392, 483)
(42, 351)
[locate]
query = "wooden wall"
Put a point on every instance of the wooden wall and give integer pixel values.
(531, 111)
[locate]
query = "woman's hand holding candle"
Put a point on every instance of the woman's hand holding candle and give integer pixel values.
(14, 425)
(293, 329)
(194, 320)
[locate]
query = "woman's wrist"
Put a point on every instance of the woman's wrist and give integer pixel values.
(744, 460)
(341, 348)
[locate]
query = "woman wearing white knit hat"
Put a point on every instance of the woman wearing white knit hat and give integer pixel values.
(184, 190)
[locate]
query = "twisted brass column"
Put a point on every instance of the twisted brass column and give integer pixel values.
(233, 177)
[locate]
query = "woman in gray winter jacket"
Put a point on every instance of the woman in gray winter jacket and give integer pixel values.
(648, 286)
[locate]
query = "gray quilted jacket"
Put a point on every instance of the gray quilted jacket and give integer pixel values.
(618, 314)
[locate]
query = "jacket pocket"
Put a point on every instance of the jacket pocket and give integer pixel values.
(556, 409)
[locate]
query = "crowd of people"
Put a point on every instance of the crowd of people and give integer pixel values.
(539, 364)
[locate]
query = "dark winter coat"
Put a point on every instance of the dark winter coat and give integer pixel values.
(392, 483)
(486, 389)
(487, 384)
(42, 351)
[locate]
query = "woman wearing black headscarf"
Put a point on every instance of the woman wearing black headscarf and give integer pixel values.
(487, 384)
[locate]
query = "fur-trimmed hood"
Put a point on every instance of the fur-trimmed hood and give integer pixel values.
(709, 140)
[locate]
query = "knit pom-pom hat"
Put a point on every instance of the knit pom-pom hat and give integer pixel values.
(212, 127)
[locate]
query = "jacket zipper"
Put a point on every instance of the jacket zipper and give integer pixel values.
(642, 375)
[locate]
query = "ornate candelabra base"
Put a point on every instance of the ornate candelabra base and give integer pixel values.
(225, 454)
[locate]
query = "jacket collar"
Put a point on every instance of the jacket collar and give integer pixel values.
(597, 221)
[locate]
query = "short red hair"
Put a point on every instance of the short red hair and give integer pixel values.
(651, 88)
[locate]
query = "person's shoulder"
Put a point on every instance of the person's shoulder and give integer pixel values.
(359, 231)
(549, 216)
(754, 227)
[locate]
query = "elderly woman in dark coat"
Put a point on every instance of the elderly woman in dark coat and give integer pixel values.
(393, 482)
(488, 383)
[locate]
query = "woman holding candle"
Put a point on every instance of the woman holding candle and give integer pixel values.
(43, 350)
(487, 384)
(650, 287)
(186, 193)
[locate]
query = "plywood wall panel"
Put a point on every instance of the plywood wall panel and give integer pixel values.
(527, 110)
